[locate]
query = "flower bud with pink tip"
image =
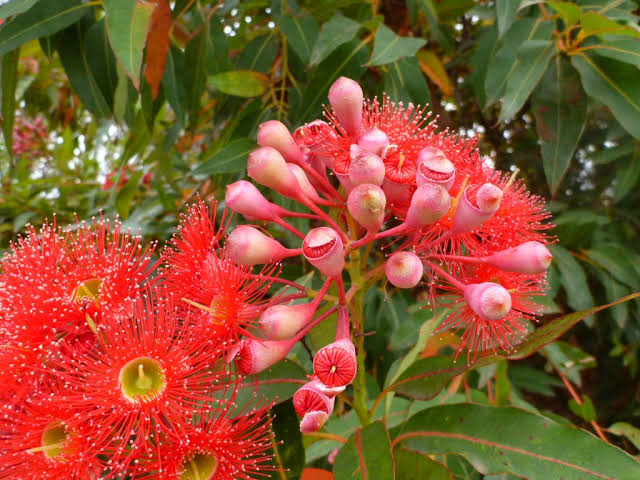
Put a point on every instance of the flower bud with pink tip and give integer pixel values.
(365, 167)
(276, 135)
(374, 140)
(346, 98)
(530, 257)
(469, 215)
(249, 246)
(335, 365)
(323, 248)
(488, 300)
(313, 405)
(255, 355)
(404, 269)
(429, 203)
(244, 198)
(366, 204)
(267, 167)
(435, 167)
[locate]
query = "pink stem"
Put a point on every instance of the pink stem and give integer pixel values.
(443, 238)
(392, 231)
(343, 295)
(313, 207)
(459, 258)
(368, 237)
(307, 328)
(455, 282)
(323, 291)
(286, 226)
(342, 329)
(322, 180)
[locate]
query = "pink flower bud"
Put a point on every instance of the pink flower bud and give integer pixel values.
(530, 257)
(267, 167)
(366, 203)
(335, 365)
(346, 98)
(324, 249)
(469, 216)
(276, 135)
(313, 406)
(249, 246)
(396, 193)
(435, 167)
(280, 322)
(365, 167)
(244, 198)
(374, 140)
(488, 300)
(313, 421)
(303, 181)
(404, 269)
(429, 203)
(258, 355)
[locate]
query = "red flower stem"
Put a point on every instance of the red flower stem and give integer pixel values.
(458, 258)
(442, 238)
(301, 215)
(314, 208)
(392, 231)
(322, 292)
(368, 237)
(321, 180)
(309, 326)
(343, 295)
(342, 329)
(455, 282)
(286, 226)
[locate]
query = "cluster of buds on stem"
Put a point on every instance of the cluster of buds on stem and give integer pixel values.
(387, 196)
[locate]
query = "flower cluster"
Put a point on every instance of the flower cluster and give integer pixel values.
(381, 175)
(108, 371)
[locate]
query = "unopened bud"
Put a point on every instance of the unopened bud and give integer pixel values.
(244, 198)
(276, 135)
(267, 167)
(396, 193)
(335, 365)
(365, 167)
(469, 216)
(530, 257)
(249, 246)
(313, 421)
(324, 249)
(254, 355)
(280, 322)
(303, 181)
(404, 269)
(488, 300)
(374, 140)
(435, 167)
(429, 203)
(366, 203)
(346, 98)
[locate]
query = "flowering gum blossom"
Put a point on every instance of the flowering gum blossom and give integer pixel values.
(365, 167)
(324, 249)
(469, 216)
(313, 421)
(249, 246)
(314, 133)
(429, 203)
(435, 167)
(280, 322)
(530, 257)
(267, 167)
(488, 300)
(404, 269)
(374, 140)
(335, 365)
(346, 98)
(313, 405)
(276, 135)
(244, 198)
(366, 203)
(258, 355)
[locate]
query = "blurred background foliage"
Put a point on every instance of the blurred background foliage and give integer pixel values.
(133, 108)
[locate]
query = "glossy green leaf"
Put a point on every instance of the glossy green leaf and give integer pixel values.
(627, 177)
(125, 196)
(595, 23)
(613, 83)
(412, 465)
(613, 290)
(623, 49)
(259, 54)
(337, 31)
(301, 33)
(366, 456)
(43, 19)
(231, 158)
(195, 73)
(506, 14)
(628, 431)
(101, 60)
(9, 83)
(611, 154)
(405, 82)
(533, 56)
(506, 439)
(288, 449)
(560, 108)
(570, 12)
(277, 383)
(173, 82)
(240, 83)
(390, 47)
(128, 22)
(573, 277)
(584, 410)
(569, 359)
(619, 266)
(15, 7)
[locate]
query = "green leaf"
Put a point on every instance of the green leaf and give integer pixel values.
(259, 54)
(570, 359)
(231, 158)
(412, 465)
(125, 196)
(367, 455)
(627, 177)
(15, 7)
(277, 383)
(623, 49)
(619, 266)
(594, 23)
(173, 82)
(195, 72)
(609, 155)
(390, 47)
(533, 56)
(613, 290)
(301, 33)
(628, 431)
(560, 108)
(613, 83)
(584, 410)
(506, 14)
(510, 440)
(570, 12)
(128, 22)
(101, 60)
(573, 277)
(43, 19)
(240, 83)
(337, 31)
(288, 451)
(9, 82)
